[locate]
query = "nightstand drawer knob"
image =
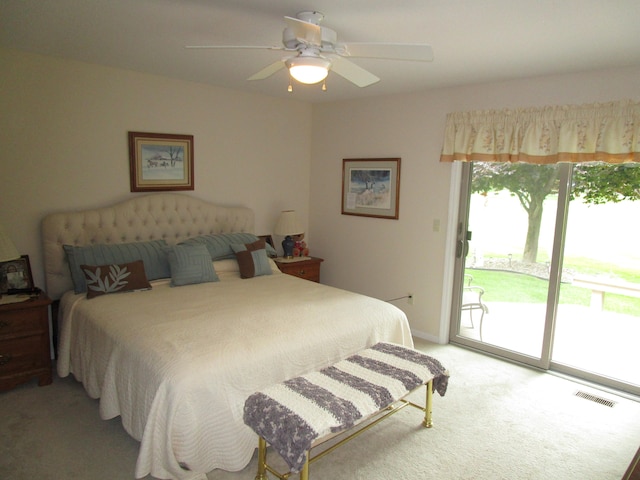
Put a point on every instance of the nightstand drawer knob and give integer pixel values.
(301, 272)
(4, 359)
(4, 324)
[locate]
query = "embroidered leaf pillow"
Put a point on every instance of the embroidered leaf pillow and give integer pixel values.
(104, 279)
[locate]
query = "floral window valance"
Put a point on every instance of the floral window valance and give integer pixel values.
(608, 132)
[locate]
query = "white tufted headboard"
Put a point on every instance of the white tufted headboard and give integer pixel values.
(169, 216)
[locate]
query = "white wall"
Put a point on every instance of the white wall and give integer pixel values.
(63, 132)
(390, 258)
(63, 137)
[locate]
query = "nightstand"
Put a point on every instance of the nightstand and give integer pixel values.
(24, 342)
(308, 269)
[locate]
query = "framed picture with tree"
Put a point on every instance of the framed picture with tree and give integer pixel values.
(160, 162)
(371, 187)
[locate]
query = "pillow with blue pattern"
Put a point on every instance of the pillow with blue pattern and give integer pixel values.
(252, 259)
(151, 253)
(190, 264)
(219, 245)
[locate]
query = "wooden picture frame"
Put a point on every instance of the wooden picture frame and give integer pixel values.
(160, 162)
(15, 275)
(371, 187)
(268, 239)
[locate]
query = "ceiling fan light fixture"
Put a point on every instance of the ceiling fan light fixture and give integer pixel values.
(308, 70)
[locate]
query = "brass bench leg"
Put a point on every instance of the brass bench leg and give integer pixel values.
(304, 473)
(428, 422)
(262, 459)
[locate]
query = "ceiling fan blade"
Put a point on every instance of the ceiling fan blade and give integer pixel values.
(267, 71)
(304, 31)
(249, 47)
(415, 52)
(352, 72)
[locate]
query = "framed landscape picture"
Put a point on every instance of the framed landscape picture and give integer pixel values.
(371, 187)
(160, 162)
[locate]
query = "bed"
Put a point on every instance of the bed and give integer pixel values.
(177, 363)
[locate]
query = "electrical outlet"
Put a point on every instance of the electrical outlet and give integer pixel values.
(410, 298)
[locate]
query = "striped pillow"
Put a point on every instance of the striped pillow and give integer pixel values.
(151, 253)
(219, 246)
(190, 264)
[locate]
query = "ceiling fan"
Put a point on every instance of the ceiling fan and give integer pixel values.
(315, 50)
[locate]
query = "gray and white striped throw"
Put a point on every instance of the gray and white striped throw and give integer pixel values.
(291, 415)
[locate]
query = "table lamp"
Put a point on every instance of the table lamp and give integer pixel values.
(287, 226)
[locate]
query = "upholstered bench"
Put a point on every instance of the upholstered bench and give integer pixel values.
(303, 412)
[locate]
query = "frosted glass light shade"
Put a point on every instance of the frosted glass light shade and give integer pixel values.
(308, 70)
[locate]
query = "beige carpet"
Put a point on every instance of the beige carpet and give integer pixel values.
(497, 421)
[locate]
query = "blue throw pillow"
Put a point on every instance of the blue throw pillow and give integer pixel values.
(151, 253)
(219, 246)
(190, 264)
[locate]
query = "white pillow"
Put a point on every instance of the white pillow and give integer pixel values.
(226, 265)
(231, 265)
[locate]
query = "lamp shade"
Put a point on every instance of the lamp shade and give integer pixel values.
(8, 250)
(308, 69)
(288, 224)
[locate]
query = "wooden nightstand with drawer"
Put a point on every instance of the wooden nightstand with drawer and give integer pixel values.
(24, 342)
(308, 269)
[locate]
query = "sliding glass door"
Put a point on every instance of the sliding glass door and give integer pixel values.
(549, 276)
(598, 316)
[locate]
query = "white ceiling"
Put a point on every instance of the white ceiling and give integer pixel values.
(474, 41)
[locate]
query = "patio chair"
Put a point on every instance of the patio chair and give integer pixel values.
(472, 300)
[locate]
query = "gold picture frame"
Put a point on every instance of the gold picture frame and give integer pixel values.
(371, 187)
(160, 162)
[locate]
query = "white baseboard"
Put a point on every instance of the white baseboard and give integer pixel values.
(426, 336)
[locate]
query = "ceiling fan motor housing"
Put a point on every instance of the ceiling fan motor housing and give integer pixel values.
(297, 37)
(329, 38)
(310, 17)
(289, 39)
(291, 42)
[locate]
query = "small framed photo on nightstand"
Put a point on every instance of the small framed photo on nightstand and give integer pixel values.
(15, 275)
(268, 239)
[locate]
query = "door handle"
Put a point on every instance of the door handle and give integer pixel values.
(462, 246)
(466, 243)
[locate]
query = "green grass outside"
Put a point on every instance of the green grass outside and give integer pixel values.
(590, 267)
(500, 286)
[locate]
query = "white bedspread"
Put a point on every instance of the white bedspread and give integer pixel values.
(177, 364)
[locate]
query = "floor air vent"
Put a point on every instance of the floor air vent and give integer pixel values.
(595, 398)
